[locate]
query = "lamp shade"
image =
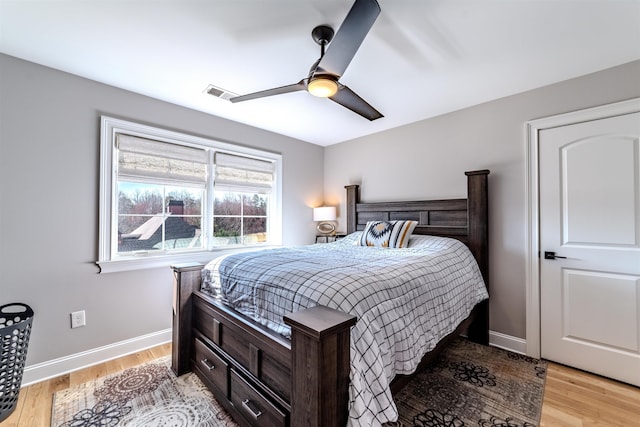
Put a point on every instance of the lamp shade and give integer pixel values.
(324, 213)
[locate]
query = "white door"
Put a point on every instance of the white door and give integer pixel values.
(590, 218)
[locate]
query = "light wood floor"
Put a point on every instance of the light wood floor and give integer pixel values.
(34, 401)
(571, 397)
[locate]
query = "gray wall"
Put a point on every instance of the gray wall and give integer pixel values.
(427, 160)
(49, 175)
(49, 161)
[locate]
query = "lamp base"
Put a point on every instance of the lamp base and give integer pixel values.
(326, 228)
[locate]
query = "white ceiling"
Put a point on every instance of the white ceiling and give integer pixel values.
(421, 59)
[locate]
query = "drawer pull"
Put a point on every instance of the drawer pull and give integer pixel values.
(254, 414)
(210, 366)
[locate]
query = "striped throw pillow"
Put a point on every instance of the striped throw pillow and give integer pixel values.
(387, 234)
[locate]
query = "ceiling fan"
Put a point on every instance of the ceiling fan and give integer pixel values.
(324, 74)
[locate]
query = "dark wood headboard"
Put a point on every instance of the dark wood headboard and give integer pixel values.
(463, 219)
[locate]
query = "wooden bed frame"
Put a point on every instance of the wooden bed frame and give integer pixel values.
(262, 378)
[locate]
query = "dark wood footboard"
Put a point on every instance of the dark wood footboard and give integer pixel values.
(262, 378)
(259, 376)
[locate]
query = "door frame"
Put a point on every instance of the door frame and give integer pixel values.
(532, 204)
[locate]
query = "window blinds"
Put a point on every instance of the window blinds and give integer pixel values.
(235, 172)
(142, 158)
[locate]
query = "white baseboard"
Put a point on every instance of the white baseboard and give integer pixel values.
(63, 365)
(56, 367)
(507, 342)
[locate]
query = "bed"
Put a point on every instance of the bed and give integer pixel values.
(308, 367)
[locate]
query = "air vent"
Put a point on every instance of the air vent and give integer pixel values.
(218, 92)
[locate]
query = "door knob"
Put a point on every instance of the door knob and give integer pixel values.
(552, 255)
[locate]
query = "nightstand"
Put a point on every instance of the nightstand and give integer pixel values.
(325, 238)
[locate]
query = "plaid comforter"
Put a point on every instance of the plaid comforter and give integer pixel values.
(406, 300)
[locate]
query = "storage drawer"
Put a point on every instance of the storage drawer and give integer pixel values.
(211, 366)
(268, 361)
(257, 410)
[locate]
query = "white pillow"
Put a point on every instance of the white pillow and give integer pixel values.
(351, 239)
(388, 234)
(420, 240)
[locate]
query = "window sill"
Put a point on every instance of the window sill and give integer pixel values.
(165, 261)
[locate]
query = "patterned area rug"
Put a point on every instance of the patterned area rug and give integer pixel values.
(474, 385)
(147, 395)
(469, 385)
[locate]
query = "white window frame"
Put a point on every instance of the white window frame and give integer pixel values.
(107, 262)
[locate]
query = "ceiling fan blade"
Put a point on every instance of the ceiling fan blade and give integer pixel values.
(301, 85)
(348, 99)
(349, 37)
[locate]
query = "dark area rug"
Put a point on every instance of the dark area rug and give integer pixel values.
(469, 385)
(474, 385)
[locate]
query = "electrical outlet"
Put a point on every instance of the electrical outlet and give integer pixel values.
(78, 319)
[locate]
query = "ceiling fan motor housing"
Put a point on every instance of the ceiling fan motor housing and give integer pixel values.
(322, 34)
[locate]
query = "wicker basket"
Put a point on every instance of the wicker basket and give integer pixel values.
(15, 328)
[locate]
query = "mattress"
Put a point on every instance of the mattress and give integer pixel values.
(406, 300)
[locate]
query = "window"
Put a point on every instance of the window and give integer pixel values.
(167, 197)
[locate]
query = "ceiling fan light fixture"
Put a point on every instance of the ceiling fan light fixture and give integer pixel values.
(322, 87)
